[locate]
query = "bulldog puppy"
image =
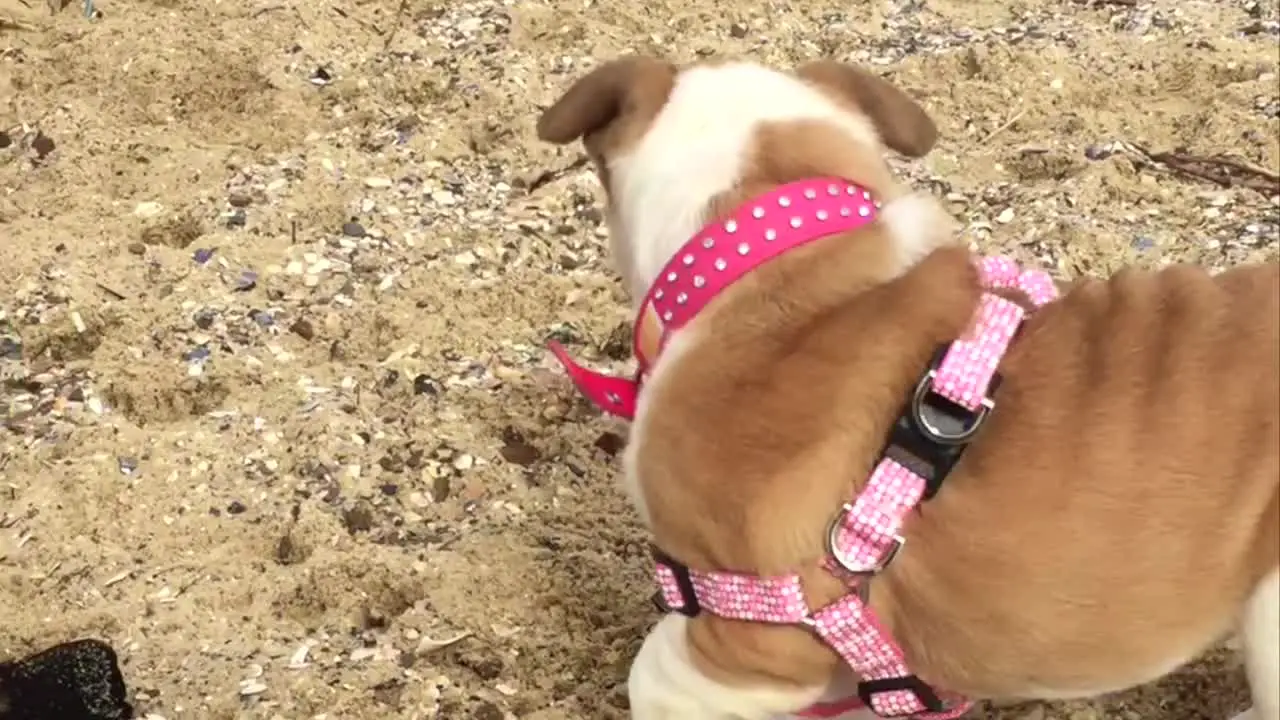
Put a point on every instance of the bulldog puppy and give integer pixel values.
(1103, 510)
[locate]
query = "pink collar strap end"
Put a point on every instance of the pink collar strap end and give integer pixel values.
(614, 395)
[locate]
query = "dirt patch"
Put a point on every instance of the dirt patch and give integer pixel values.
(277, 419)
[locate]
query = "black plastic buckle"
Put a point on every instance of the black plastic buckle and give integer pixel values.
(868, 689)
(688, 597)
(932, 432)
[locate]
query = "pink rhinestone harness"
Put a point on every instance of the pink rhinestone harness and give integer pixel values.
(949, 404)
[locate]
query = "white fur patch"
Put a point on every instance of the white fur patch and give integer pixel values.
(917, 226)
(695, 150)
(1259, 632)
(665, 684)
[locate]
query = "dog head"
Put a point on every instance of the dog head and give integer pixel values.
(670, 144)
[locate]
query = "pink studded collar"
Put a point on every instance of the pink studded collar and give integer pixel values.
(764, 228)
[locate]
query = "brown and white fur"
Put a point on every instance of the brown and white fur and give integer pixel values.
(1119, 513)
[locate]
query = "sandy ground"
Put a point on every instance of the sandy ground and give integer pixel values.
(276, 277)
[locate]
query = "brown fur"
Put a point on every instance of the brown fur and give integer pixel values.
(1126, 486)
(610, 108)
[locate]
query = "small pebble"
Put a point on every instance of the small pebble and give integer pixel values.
(247, 281)
(42, 144)
(252, 687)
(440, 488)
(424, 385)
(10, 349)
(377, 183)
(303, 328)
(1097, 152)
(353, 229)
(358, 519)
(146, 210)
(205, 318)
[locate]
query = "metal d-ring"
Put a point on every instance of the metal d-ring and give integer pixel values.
(833, 537)
(930, 429)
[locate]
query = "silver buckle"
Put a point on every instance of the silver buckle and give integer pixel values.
(833, 537)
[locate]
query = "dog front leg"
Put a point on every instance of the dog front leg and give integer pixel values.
(666, 684)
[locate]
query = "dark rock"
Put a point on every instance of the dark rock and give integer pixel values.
(42, 144)
(247, 281)
(516, 450)
(610, 443)
(618, 344)
(204, 319)
(303, 328)
(358, 519)
(290, 551)
(440, 488)
(424, 385)
(337, 352)
(10, 349)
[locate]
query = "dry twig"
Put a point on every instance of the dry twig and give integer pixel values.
(549, 176)
(8, 23)
(391, 34)
(1007, 124)
(1217, 169)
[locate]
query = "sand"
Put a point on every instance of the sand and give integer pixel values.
(275, 279)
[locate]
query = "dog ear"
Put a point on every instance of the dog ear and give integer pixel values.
(902, 124)
(607, 94)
